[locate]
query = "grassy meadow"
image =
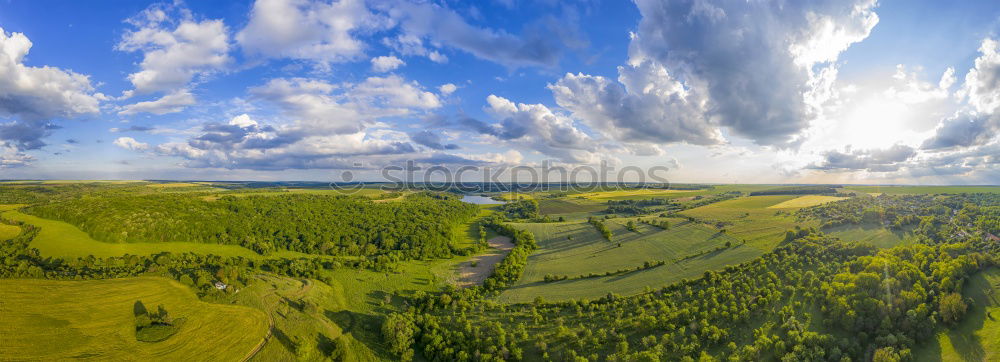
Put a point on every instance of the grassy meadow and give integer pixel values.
(805, 201)
(750, 219)
(94, 320)
(8, 231)
(61, 240)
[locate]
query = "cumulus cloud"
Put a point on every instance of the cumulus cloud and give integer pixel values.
(447, 89)
(964, 129)
(912, 90)
(170, 103)
(979, 122)
(431, 140)
(40, 93)
(174, 51)
(322, 125)
(33, 96)
(538, 128)
(176, 48)
(872, 160)
(345, 108)
(130, 143)
(760, 69)
(319, 31)
(242, 143)
(645, 104)
(386, 63)
(982, 83)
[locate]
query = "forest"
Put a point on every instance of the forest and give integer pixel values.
(421, 227)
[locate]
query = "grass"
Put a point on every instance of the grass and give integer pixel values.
(896, 190)
(805, 201)
(63, 240)
(467, 235)
(877, 235)
(62, 320)
(512, 196)
(588, 252)
(751, 219)
(562, 206)
(8, 232)
(977, 336)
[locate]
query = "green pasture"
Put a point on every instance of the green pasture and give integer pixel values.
(94, 320)
(62, 240)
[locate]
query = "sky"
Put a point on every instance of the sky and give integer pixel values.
(719, 91)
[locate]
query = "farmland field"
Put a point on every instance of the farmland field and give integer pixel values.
(572, 207)
(750, 219)
(806, 201)
(55, 320)
(574, 249)
(631, 193)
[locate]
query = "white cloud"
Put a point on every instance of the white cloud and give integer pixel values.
(174, 51)
(38, 93)
(913, 90)
(982, 83)
(436, 57)
(536, 127)
(384, 64)
(170, 103)
(33, 96)
(447, 89)
(758, 69)
(396, 92)
(646, 104)
(322, 125)
(978, 123)
(320, 31)
(131, 144)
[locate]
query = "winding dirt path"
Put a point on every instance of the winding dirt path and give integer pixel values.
(469, 275)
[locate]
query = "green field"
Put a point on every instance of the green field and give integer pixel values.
(977, 336)
(896, 190)
(62, 320)
(62, 240)
(750, 219)
(8, 231)
(806, 201)
(562, 206)
(588, 252)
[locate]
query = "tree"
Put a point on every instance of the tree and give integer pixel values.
(399, 330)
(951, 308)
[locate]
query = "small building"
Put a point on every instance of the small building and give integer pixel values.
(220, 285)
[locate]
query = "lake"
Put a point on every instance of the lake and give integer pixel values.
(479, 200)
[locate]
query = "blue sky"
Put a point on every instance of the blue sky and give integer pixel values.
(717, 91)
